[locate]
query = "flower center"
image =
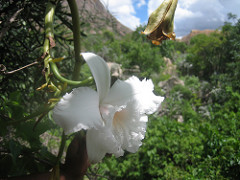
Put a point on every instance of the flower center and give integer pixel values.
(119, 117)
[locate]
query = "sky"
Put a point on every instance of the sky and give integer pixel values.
(190, 14)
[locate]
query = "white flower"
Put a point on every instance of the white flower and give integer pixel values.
(115, 117)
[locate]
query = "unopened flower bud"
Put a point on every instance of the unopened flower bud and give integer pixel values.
(160, 22)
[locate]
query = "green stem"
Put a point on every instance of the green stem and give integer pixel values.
(49, 35)
(64, 80)
(61, 149)
(49, 16)
(76, 36)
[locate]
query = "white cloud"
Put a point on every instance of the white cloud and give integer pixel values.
(185, 13)
(190, 14)
(198, 14)
(124, 11)
(140, 3)
(187, 3)
(152, 5)
(231, 6)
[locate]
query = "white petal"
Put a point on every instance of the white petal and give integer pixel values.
(78, 110)
(129, 127)
(100, 142)
(123, 91)
(148, 101)
(100, 72)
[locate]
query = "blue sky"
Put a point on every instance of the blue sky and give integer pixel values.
(141, 12)
(190, 14)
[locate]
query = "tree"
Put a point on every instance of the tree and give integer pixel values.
(24, 109)
(205, 55)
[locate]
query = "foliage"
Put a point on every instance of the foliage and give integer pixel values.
(22, 151)
(126, 51)
(25, 147)
(216, 57)
(204, 55)
(200, 147)
(206, 144)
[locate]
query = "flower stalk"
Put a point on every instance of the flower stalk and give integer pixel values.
(64, 80)
(76, 36)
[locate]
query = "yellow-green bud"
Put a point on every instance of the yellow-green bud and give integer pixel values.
(160, 22)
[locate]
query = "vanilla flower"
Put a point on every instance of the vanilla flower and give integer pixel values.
(114, 117)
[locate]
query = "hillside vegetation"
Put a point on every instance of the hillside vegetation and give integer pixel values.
(195, 134)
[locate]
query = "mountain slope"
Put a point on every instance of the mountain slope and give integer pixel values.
(195, 32)
(99, 18)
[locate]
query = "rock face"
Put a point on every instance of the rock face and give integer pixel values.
(134, 71)
(171, 70)
(99, 18)
(117, 72)
(170, 67)
(170, 83)
(115, 69)
(195, 32)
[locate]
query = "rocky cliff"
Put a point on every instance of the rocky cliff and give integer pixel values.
(98, 17)
(195, 32)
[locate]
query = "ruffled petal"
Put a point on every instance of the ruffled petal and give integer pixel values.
(129, 127)
(142, 91)
(78, 110)
(100, 142)
(100, 72)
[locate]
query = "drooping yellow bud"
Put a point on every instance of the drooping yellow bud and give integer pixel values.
(57, 59)
(42, 87)
(160, 22)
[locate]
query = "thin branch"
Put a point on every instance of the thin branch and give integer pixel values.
(3, 68)
(61, 148)
(39, 119)
(9, 23)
